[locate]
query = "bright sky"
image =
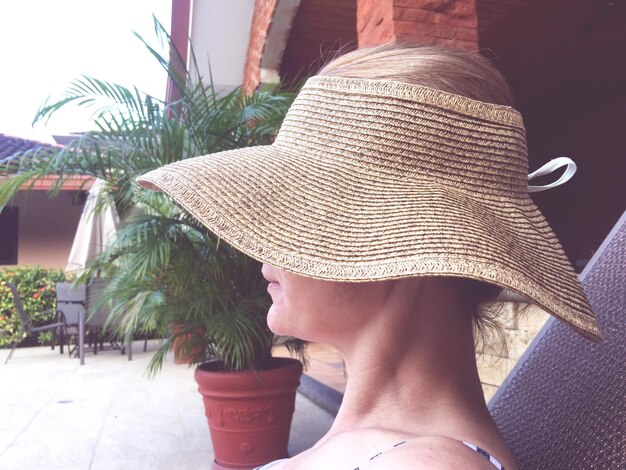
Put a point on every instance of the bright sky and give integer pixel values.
(45, 44)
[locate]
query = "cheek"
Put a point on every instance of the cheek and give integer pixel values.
(294, 305)
(319, 310)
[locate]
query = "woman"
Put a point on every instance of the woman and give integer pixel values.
(392, 205)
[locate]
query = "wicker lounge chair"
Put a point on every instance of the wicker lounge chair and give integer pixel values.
(563, 406)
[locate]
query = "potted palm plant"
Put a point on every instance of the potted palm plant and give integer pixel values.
(166, 272)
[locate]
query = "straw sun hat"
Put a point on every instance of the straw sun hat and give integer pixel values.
(375, 179)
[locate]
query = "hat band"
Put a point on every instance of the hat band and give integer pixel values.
(409, 132)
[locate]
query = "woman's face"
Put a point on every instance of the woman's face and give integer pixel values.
(318, 310)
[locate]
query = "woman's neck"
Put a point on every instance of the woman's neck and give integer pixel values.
(412, 368)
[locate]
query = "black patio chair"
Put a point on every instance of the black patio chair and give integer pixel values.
(58, 327)
(74, 300)
(97, 334)
(97, 320)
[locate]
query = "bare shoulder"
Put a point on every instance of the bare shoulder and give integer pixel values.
(431, 453)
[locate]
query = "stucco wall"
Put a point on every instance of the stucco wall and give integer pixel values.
(220, 33)
(46, 228)
(521, 324)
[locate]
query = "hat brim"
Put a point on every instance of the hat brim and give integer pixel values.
(326, 218)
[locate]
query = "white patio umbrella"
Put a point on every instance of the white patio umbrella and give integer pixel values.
(95, 231)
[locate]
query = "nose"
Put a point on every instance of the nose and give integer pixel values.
(266, 270)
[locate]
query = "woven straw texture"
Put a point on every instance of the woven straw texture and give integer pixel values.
(371, 180)
(565, 407)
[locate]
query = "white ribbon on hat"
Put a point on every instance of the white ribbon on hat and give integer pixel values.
(551, 167)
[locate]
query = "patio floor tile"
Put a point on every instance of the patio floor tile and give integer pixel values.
(57, 414)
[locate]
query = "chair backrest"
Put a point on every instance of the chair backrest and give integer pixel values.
(19, 307)
(94, 290)
(66, 292)
(564, 403)
(71, 311)
(71, 300)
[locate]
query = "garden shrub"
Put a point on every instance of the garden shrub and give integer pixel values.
(37, 290)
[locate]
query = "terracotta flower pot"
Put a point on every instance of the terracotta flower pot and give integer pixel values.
(178, 345)
(249, 412)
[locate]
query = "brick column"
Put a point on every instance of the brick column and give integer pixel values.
(178, 55)
(261, 20)
(438, 22)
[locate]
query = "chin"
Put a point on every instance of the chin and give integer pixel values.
(278, 323)
(274, 323)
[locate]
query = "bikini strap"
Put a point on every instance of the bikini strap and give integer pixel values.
(482, 452)
(485, 454)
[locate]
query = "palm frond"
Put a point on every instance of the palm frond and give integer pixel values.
(165, 267)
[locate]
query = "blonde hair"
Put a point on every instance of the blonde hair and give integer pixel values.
(452, 70)
(448, 69)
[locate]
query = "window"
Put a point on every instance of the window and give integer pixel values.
(8, 235)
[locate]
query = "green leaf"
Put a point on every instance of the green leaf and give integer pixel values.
(165, 268)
